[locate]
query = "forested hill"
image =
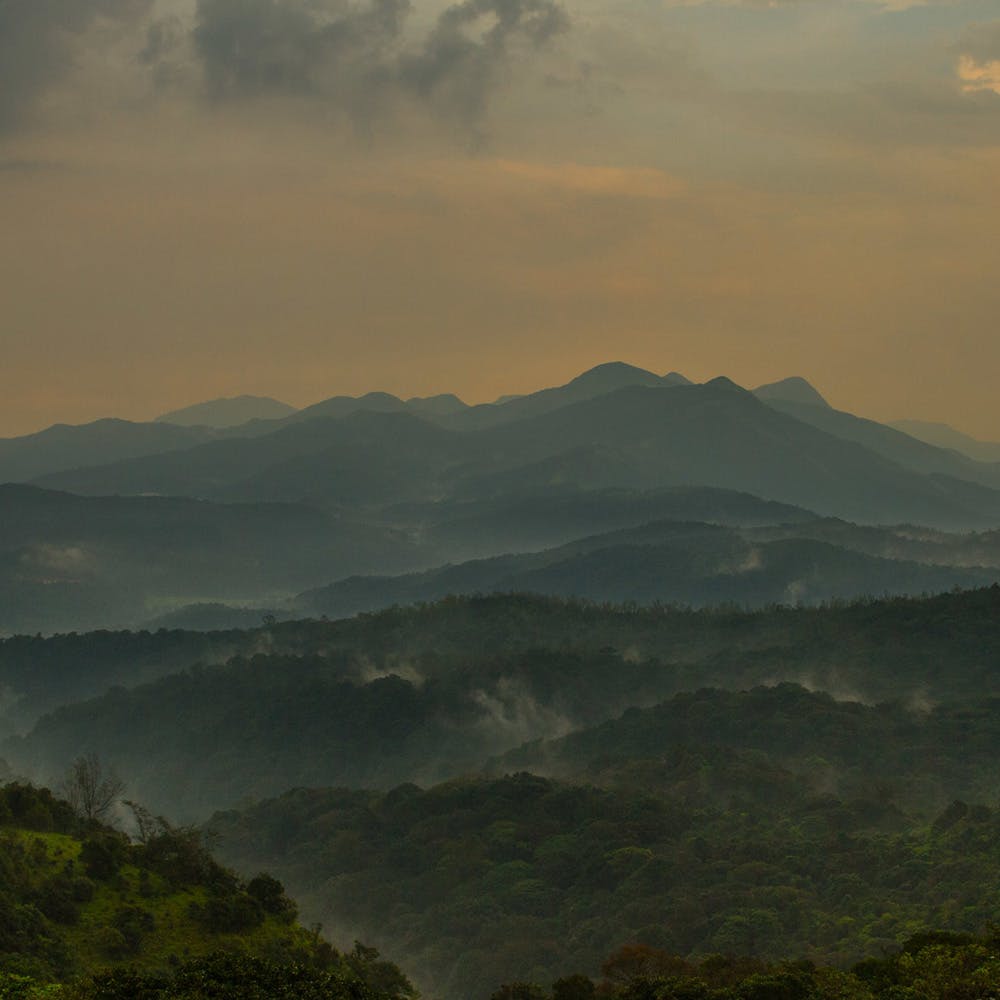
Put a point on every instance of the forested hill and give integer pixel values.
(82, 904)
(424, 694)
(476, 883)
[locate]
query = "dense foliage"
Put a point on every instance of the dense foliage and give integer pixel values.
(928, 966)
(235, 977)
(424, 694)
(142, 919)
(476, 882)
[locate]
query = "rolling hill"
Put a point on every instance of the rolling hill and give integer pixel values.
(675, 563)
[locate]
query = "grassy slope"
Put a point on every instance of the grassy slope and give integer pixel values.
(176, 935)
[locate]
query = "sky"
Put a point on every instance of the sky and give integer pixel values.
(304, 198)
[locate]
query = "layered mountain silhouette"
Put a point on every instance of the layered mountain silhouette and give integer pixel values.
(790, 390)
(695, 564)
(636, 437)
(376, 484)
(71, 562)
(796, 398)
(944, 436)
(63, 446)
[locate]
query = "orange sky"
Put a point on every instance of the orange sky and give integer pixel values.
(713, 188)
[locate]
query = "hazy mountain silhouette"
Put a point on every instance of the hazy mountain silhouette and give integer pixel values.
(63, 446)
(890, 443)
(444, 405)
(944, 436)
(230, 412)
(471, 529)
(715, 434)
(791, 390)
(596, 382)
(72, 562)
(672, 562)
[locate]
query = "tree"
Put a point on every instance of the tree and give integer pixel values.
(91, 789)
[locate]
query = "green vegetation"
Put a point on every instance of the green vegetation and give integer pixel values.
(478, 882)
(428, 693)
(765, 821)
(771, 823)
(81, 903)
(929, 966)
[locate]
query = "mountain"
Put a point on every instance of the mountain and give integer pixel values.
(429, 693)
(840, 748)
(715, 435)
(596, 382)
(231, 412)
(666, 561)
(791, 390)
(943, 436)
(445, 405)
(891, 444)
(64, 447)
(72, 562)
(551, 516)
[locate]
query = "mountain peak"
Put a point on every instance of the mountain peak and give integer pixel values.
(724, 382)
(615, 375)
(791, 390)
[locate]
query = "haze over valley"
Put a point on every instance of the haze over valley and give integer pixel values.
(499, 500)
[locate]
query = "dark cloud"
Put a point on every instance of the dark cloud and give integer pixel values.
(460, 61)
(256, 47)
(36, 45)
(354, 54)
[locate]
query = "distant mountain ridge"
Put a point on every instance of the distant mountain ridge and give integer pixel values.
(791, 390)
(62, 446)
(690, 564)
(425, 482)
(944, 436)
(638, 437)
(229, 412)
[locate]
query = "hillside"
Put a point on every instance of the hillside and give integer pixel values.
(74, 563)
(79, 899)
(469, 529)
(773, 744)
(945, 436)
(911, 452)
(479, 882)
(425, 694)
(682, 563)
(63, 447)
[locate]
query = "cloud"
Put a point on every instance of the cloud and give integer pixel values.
(36, 46)
(354, 57)
(251, 48)
(458, 64)
(979, 76)
(979, 60)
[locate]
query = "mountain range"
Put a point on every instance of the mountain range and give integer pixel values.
(116, 522)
